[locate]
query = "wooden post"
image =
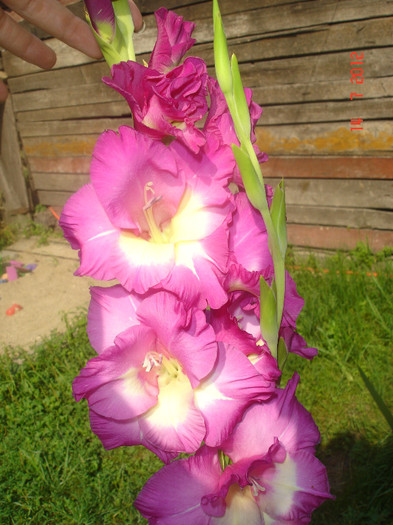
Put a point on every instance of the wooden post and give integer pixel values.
(12, 182)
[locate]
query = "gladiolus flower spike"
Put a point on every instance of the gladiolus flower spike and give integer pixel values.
(192, 340)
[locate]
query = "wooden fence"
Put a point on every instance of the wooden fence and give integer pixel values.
(296, 55)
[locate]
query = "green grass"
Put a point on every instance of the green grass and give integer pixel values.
(54, 470)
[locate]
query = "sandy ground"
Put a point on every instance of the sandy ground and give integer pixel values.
(45, 294)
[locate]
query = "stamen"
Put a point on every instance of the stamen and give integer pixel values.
(256, 487)
(155, 232)
(152, 359)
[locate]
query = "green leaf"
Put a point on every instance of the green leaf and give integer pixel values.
(282, 354)
(241, 118)
(255, 190)
(124, 30)
(377, 398)
(221, 57)
(269, 328)
(278, 215)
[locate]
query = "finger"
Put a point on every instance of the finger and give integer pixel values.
(3, 91)
(23, 44)
(136, 16)
(59, 22)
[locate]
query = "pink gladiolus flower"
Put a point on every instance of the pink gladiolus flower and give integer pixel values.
(164, 382)
(152, 217)
(272, 476)
(173, 40)
(165, 105)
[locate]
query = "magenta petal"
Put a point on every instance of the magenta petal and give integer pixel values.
(248, 236)
(111, 311)
(281, 417)
(114, 383)
(185, 334)
(173, 40)
(293, 487)
(124, 433)
(224, 395)
(173, 495)
(87, 228)
(128, 170)
(101, 11)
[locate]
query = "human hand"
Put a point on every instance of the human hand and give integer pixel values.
(56, 20)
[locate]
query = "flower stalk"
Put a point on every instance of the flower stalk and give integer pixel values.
(113, 28)
(229, 79)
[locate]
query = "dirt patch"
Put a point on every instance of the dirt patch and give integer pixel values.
(45, 294)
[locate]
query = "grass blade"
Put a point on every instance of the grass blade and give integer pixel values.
(377, 398)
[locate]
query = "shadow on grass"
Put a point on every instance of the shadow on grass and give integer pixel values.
(361, 478)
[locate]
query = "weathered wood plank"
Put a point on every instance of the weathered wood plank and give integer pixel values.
(375, 168)
(338, 111)
(322, 92)
(295, 70)
(322, 39)
(60, 164)
(289, 16)
(331, 238)
(58, 78)
(254, 22)
(105, 110)
(59, 182)
(64, 97)
(325, 139)
(68, 127)
(278, 167)
(338, 193)
(281, 114)
(53, 198)
(226, 7)
(12, 181)
(64, 146)
(317, 40)
(346, 217)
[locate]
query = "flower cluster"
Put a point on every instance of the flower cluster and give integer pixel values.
(181, 365)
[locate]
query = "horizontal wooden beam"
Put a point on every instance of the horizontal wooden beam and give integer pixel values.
(329, 138)
(340, 216)
(331, 238)
(372, 194)
(59, 182)
(329, 168)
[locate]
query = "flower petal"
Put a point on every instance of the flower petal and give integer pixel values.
(173, 40)
(172, 496)
(222, 397)
(174, 424)
(114, 383)
(87, 228)
(111, 311)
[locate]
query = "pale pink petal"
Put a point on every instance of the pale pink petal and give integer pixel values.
(140, 264)
(114, 383)
(111, 311)
(87, 228)
(224, 395)
(124, 433)
(173, 40)
(293, 487)
(174, 424)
